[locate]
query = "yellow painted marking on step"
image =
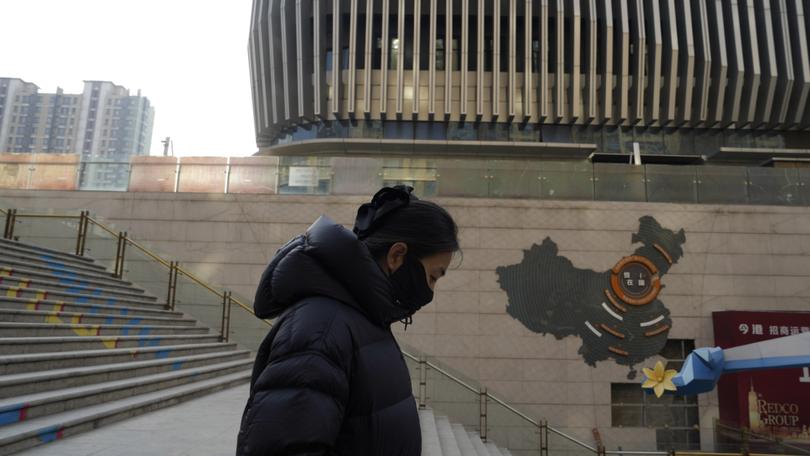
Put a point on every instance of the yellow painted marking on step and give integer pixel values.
(76, 320)
(111, 342)
(12, 292)
(42, 295)
(53, 319)
(31, 306)
(24, 283)
(6, 271)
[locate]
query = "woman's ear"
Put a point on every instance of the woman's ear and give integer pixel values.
(396, 256)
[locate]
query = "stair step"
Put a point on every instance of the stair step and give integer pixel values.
(62, 306)
(70, 286)
(20, 345)
(463, 439)
(33, 293)
(35, 249)
(35, 432)
(446, 437)
(77, 318)
(66, 329)
(72, 260)
(20, 277)
(57, 271)
(478, 444)
(493, 449)
(32, 406)
(40, 262)
(430, 437)
(37, 382)
(33, 362)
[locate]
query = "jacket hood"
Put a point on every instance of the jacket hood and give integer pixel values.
(327, 260)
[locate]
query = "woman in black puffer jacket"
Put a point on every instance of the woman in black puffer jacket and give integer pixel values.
(329, 378)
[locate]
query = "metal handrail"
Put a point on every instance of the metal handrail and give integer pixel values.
(770, 438)
(48, 216)
(572, 439)
(147, 252)
(102, 226)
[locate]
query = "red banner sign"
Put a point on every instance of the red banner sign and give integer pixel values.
(774, 402)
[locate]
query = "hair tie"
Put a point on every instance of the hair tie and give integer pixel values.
(384, 202)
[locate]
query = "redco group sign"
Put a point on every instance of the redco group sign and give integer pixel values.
(774, 402)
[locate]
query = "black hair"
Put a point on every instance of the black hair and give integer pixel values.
(424, 226)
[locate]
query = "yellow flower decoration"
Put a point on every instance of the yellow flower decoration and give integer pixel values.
(659, 380)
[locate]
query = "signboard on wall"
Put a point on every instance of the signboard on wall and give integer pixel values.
(774, 402)
(303, 176)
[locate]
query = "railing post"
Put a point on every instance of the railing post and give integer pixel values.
(544, 438)
(172, 285)
(119, 254)
(483, 399)
(744, 448)
(226, 317)
(422, 382)
(82, 234)
(8, 233)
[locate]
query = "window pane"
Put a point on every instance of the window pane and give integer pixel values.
(628, 416)
(626, 393)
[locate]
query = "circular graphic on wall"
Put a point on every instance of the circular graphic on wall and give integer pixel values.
(635, 280)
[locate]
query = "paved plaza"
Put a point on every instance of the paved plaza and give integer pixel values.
(204, 426)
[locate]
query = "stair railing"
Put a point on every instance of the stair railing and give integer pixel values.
(133, 261)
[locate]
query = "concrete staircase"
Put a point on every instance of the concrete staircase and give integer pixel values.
(441, 438)
(80, 349)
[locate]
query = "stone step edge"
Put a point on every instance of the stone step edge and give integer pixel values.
(54, 425)
(38, 399)
(104, 276)
(46, 250)
(51, 302)
(29, 340)
(72, 316)
(10, 275)
(447, 438)
(77, 354)
(39, 262)
(12, 325)
(50, 256)
(25, 273)
(32, 377)
(32, 284)
(44, 294)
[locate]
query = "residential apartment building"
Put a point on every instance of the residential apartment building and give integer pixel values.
(103, 124)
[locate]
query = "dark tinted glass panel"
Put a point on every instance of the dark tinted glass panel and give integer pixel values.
(722, 185)
(566, 180)
(627, 416)
(774, 186)
(666, 183)
(615, 182)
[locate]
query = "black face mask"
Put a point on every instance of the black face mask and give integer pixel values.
(409, 283)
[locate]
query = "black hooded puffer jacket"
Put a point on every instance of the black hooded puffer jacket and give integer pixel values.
(329, 378)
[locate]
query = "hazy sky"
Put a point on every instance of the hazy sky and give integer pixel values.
(188, 57)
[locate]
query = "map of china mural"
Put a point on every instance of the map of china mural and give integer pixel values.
(616, 313)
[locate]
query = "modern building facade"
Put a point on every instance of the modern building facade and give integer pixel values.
(559, 78)
(498, 105)
(103, 124)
